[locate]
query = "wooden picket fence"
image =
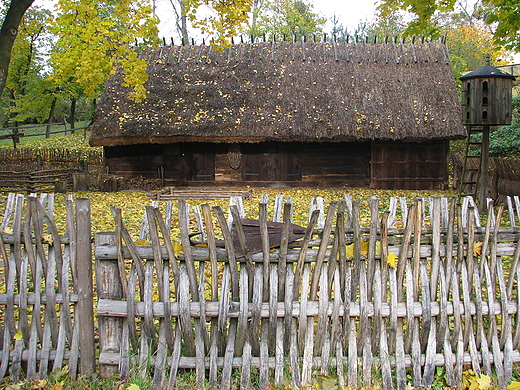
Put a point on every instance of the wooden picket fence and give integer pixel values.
(439, 291)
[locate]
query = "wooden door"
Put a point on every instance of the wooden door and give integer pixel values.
(270, 161)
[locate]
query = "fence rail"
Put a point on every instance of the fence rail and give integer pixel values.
(36, 181)
(440, 291)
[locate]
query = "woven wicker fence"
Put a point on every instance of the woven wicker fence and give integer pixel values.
(344, 297)
(45, 289)
(442, 291)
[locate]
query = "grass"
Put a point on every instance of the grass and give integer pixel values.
(36, 133)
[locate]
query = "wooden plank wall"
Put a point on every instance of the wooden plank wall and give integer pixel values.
(382, 165)
(410, 165)
(442, 291)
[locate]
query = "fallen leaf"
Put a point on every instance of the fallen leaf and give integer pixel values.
(391, 260)
(484, 382)
(19, 335)
(47, 239)
(477, 248)
(514, 386)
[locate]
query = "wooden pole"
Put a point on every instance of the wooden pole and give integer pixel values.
(484, 169)
(85, 288)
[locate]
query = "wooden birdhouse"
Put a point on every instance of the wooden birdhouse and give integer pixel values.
(486, 97)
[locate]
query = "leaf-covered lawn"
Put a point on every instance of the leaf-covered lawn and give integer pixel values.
(133, 204)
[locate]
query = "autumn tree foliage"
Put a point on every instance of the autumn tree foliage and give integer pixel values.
(470, 46)
(224, 20)
(97, 37)
(500, 15)
(289, 17)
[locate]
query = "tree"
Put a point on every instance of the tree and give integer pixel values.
(8, 34)
(470, 46)
(97, 37)
(506, 16)
(179, 8)
(289, 17)
(225, 19)
(31, 95)
(502, 17)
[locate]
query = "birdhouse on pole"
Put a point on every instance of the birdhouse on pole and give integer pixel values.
(486, 101)
(486, 97)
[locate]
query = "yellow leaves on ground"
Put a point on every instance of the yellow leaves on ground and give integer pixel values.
(363, 250)
(471, 381)
(514, 386)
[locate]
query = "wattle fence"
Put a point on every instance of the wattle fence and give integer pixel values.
(257, 302)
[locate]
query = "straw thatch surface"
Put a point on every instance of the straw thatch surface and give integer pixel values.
(286, 92)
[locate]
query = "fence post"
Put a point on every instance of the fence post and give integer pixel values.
(108, 287)
(85, 288)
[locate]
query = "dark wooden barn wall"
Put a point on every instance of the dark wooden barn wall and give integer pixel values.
(353, 164)
(412, 166)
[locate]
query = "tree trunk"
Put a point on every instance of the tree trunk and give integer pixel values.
(49, 121)
(8, 34)
(184, 24)
(72, 115)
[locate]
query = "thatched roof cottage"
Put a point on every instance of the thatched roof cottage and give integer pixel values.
(296, 114)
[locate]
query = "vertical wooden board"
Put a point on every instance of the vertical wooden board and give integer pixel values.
(85, 290)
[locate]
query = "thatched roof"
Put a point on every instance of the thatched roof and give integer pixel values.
(287, 92)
